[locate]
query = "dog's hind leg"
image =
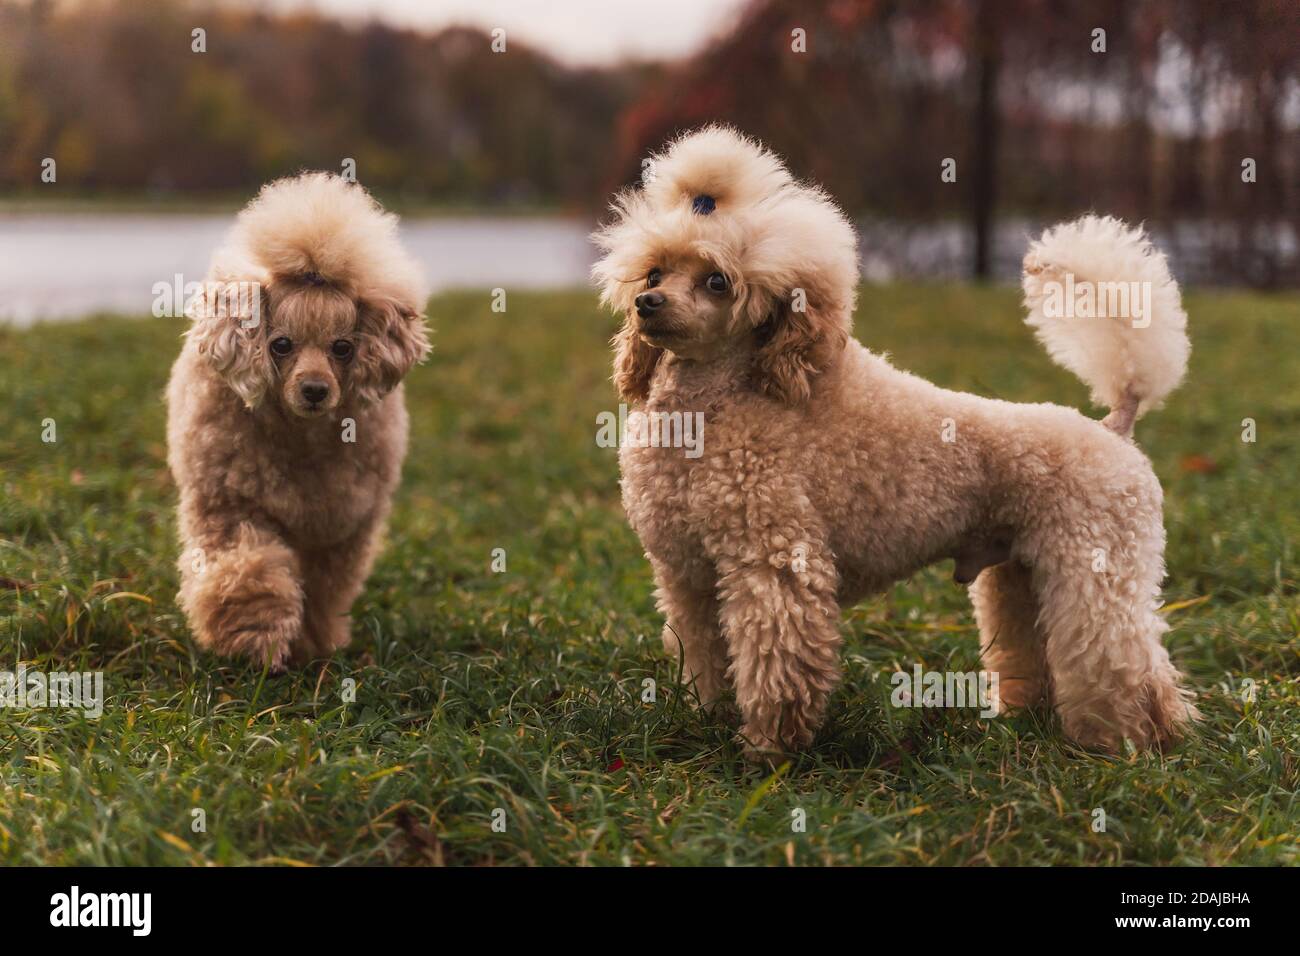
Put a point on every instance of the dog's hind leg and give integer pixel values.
(242, 594)
(1011, 644)
(1111, 676)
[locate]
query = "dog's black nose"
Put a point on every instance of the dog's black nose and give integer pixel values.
(315, 391)
(648, 302)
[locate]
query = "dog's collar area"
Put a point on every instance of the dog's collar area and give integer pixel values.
(703, 205)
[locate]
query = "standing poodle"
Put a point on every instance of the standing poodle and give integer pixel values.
(827, 474)
(286, 423)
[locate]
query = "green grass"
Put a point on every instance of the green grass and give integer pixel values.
(523, 690)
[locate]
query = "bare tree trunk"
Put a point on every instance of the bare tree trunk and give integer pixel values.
(985, 136)
(1266, 190)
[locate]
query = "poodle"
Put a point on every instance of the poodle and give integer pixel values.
(286, 423)
(827, 473)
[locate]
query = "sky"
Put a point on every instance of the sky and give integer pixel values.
(577, 32)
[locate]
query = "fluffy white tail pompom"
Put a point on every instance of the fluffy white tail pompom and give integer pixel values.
(1101, 300)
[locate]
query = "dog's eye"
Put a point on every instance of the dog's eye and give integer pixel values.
(716, 282)
(654, 278)
(281, 346)
(341, 350)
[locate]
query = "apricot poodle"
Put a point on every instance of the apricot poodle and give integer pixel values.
(826, 473)
(286, 424)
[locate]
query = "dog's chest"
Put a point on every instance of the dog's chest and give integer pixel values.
(657, 495)
(666, 469)
(326, 498)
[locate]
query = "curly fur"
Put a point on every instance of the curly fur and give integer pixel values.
(1118, 361)
(282, 502)
(827, 473)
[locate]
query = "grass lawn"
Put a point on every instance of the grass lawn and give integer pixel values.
(523, 690)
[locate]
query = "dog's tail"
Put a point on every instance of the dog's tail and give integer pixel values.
(1101, 300)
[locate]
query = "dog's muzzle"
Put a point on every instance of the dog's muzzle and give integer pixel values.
(315, 392)
(648, 303)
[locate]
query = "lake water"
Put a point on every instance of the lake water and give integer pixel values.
(58, 266)
(62, 265)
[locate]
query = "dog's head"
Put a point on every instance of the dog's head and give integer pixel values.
(718, 250)
(312, 302)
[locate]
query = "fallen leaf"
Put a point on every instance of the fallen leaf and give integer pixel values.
(1199, 464)
(419, 837)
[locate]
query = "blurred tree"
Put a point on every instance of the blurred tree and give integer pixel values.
(1043, 121)
(868, 97)
(427, 118)
(986, 59)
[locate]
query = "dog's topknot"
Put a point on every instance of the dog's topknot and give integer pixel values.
(717, 164)
(721, 195)
(320, 228)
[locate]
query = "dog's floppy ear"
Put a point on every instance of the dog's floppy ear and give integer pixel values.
(634, 363)
(229, 329)
(392, 338)
(619, 273)
(797, 341)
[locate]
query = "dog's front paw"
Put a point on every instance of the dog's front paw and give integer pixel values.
(268, 642)
(772, 747)
(321, 638)
(721, 711)
(1016, 694)
(258, 624)
(763, 756)
(246, 600)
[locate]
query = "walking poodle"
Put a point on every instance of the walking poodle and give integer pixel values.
(286, 424)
